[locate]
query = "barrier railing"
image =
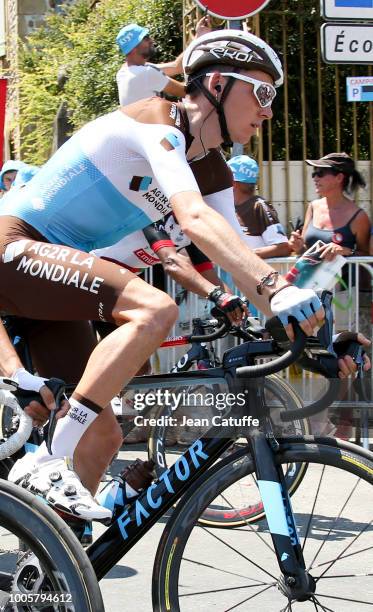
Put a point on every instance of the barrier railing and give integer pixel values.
(353, 305)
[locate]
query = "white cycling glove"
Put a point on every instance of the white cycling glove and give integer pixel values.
(295, 302)
(27, 381)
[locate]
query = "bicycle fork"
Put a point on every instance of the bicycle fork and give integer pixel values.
(295, 583)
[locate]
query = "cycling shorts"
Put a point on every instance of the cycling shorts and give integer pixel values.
(40, 280)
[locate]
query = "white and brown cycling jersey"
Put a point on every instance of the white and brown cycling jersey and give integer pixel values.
(113, 177)
(139, 250)
(259, 222)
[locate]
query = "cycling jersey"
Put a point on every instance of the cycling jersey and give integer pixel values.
(139, 250)
(260, 223)
(100, 185)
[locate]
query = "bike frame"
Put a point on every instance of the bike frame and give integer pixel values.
(132, 522)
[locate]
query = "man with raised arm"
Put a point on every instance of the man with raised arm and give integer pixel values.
(138, 77)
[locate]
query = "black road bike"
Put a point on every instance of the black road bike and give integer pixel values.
(315, 557)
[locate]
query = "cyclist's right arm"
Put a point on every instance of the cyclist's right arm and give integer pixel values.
(12, 367)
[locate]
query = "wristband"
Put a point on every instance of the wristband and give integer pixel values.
(214, 293)
(278, 290)
(267, 281)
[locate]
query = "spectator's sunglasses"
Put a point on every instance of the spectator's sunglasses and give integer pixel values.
(264, 92)
(321, 172)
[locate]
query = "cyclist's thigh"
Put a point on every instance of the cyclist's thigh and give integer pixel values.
(60, 348)
(39, 280)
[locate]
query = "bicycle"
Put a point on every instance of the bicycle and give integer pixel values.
(198, 354)
(42, 565)
(197, 477)
(278, 394)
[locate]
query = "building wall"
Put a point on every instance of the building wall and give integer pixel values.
(20, 18)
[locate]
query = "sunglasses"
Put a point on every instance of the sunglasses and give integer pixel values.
(324, 172)
(264, 92)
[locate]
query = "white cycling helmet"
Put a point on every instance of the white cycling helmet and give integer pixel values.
(232, 48)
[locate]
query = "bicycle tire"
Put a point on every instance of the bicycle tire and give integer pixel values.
(45, 534)
(167, 592)
(218, 514)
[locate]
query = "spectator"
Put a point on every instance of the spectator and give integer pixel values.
(258, 219)
(9, 172)
(334, 218)
(25, 174)
(139, 79)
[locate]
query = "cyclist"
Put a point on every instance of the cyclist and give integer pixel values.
(113, 177)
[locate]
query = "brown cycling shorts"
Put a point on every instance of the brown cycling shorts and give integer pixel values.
(40, 280)
(56, 348)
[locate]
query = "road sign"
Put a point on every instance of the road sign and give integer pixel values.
(347, 43)
(234, 9)
(359, 89)
(347, 9)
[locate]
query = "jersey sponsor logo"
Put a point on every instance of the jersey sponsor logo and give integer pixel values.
(170, 142)
(62, 178)
(59, 273)
(140, 183)
(234, 54)
(101, 309)
(159, 200)
(175, 114)
(13, 250)
(146, 258)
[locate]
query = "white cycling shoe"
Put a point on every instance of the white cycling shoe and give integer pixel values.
(57, 482)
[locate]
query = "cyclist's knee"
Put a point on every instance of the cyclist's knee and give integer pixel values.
(166, 312)
(156, 311)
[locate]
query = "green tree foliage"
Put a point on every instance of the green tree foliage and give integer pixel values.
(292, 27)
(82, 42)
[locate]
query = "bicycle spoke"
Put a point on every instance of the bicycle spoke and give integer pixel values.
(345, 576)
(313, 508)
(224, 590)
(343, 551)
(345, 556)
(323, 607)
(248, 599)
(333, 523)
(238, 553)
(247, 522)
(218, 569)
(366, 603)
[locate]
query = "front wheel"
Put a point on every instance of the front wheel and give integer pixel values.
(202, 568)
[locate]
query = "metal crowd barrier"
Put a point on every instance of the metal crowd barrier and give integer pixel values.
(353, 304)
(353, 309)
